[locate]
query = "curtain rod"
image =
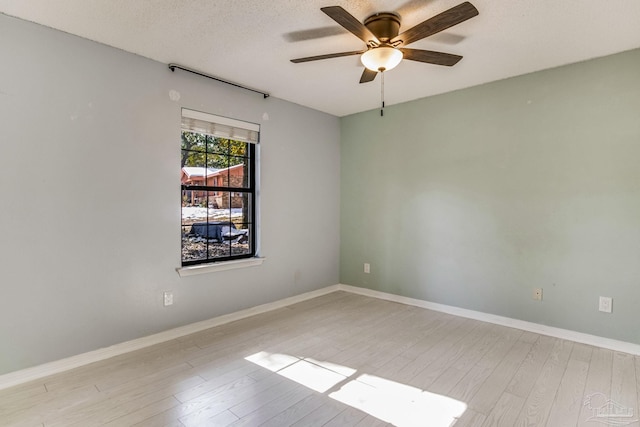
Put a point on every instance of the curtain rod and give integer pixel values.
(173, 67)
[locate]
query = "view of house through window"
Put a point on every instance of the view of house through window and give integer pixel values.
(218, 188)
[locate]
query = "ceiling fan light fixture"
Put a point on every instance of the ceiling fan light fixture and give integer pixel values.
(383, 58)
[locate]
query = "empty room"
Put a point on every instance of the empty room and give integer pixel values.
(407, 213)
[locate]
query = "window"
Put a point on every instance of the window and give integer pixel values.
(218, 177)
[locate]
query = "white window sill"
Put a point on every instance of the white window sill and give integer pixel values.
(221, 266)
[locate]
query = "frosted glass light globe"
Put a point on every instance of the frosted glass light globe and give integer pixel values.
(382, 58)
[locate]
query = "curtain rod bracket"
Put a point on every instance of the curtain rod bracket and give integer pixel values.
(173, 67)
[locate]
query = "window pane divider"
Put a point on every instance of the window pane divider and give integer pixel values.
(225, 189)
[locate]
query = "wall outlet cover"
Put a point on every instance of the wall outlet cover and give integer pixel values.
(605, 304)
(168, 298)
(537, 294)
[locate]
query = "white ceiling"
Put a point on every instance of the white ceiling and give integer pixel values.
(251, 42)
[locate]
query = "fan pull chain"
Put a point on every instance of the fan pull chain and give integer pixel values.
(382, 93)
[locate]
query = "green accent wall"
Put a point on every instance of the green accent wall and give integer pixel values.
(476, 197)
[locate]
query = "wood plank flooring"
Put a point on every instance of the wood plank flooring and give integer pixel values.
(342, 360)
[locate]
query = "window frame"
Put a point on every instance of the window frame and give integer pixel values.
(250, 160)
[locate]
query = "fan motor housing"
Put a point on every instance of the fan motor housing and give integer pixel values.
(384, 25)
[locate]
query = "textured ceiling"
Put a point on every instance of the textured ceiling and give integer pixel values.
(251, 42)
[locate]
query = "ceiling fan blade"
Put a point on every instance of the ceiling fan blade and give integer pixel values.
(431, 57)
(350, 23)
(327, 56)
(368, 75)
(446, 19)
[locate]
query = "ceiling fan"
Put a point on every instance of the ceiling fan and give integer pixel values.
(385, 48)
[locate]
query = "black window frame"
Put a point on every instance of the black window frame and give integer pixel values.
(250, 190)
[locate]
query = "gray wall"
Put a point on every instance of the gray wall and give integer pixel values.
(90, 188)
(476, 197)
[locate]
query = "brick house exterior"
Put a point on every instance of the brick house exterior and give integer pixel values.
(233, 176)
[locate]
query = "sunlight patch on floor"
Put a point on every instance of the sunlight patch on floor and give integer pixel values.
(399, 404)
(340, 369)
(312, 376)
(387, 400)
(272, 361)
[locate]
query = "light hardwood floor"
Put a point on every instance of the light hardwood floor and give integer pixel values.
(341, 360)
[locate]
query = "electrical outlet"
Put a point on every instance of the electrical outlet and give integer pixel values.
(168, 298)
(537, 294)
(606, 304)
(367, 268)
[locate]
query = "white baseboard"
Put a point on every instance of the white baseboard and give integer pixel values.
(41, 371)
(551, 331)
(29, 374)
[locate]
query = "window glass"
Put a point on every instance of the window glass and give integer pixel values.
(218, 195)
